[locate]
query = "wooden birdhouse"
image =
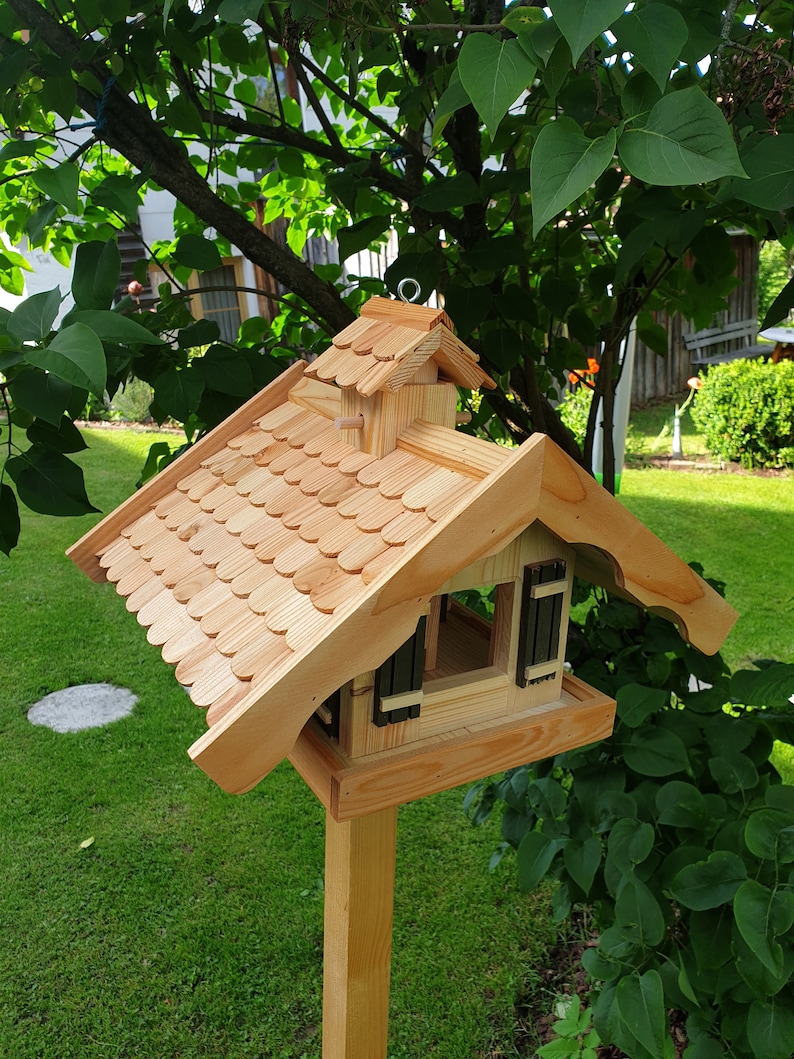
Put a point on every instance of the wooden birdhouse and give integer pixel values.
(304, 567)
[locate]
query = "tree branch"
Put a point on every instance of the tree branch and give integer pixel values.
(130, 129)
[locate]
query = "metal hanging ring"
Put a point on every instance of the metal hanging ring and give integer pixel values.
(401, 290)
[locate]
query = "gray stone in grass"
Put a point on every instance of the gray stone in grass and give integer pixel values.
(83, 706)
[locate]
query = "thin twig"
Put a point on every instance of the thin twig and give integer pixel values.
(187, 292)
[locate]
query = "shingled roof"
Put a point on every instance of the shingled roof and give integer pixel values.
(389, 343)
(272, 561)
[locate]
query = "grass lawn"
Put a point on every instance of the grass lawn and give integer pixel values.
(192, 925)
(738, 526)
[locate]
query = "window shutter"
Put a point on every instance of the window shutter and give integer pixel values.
(398, 682)
(539, 630)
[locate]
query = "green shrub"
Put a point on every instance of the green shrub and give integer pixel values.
(574, 410)
(745, 412)
(678, 834)
(774, 272)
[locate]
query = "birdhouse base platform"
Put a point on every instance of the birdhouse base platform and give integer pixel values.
(350, 788)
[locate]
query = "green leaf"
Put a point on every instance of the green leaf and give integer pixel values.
(770, 1028)
(733, 772)
(449, 193)
(638, 912)
(201, 333)
(239, 11)
(424, 268)
(547, 797)
(709, 883)
(60, 184)
(686, 140)
(655, 36)
(558, 291)
(758, 977)
(19, 149)
(196, 252)
(467, 306)
(637, 703)
(49, 483)
(225, 370)
(582, 860)
(76, 356)
(9, 518)
(183, 116)
(178, 392)
(769, 834)
(63, 438)
(13, 66)
(769, 162)
(360, 235)
(97, 267)
(630, 843)
(494, 73)
(711, 937)
(762, 916)
(654, 751)
(640, 1003)
(119, 193)
(564, 165)
(681, 805)
(581, 21)
(32, 320)
(113, 327)
(534, 857)
(454, 98)
(770, 687)
(159, 456)
(704, 1048)
(779, 309)
(40, 222)
(493, 255)
(42, 395)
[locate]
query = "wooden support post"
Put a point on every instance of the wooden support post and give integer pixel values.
(359, 898)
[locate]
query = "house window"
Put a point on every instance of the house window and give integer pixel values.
(218, 300)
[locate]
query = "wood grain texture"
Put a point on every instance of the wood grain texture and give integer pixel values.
(579, 510)
(350, 788)
(404, 314)
(360, 862)
(83, 552)
(459, 452)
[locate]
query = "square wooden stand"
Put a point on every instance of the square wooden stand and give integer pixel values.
(361, 798)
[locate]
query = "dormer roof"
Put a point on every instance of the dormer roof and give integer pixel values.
(272, 562)
(385, 348)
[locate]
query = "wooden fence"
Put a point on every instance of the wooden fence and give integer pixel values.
(658, 377)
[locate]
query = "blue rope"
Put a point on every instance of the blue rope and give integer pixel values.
(100, 122)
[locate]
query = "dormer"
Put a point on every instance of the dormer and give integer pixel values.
(397, 363)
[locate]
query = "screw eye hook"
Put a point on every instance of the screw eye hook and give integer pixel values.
(401, 292)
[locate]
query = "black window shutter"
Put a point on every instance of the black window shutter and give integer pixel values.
(401, 672)
(539, 629)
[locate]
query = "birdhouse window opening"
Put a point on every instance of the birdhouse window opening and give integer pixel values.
(464, 638)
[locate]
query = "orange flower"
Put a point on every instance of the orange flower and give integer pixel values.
(593, 366)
